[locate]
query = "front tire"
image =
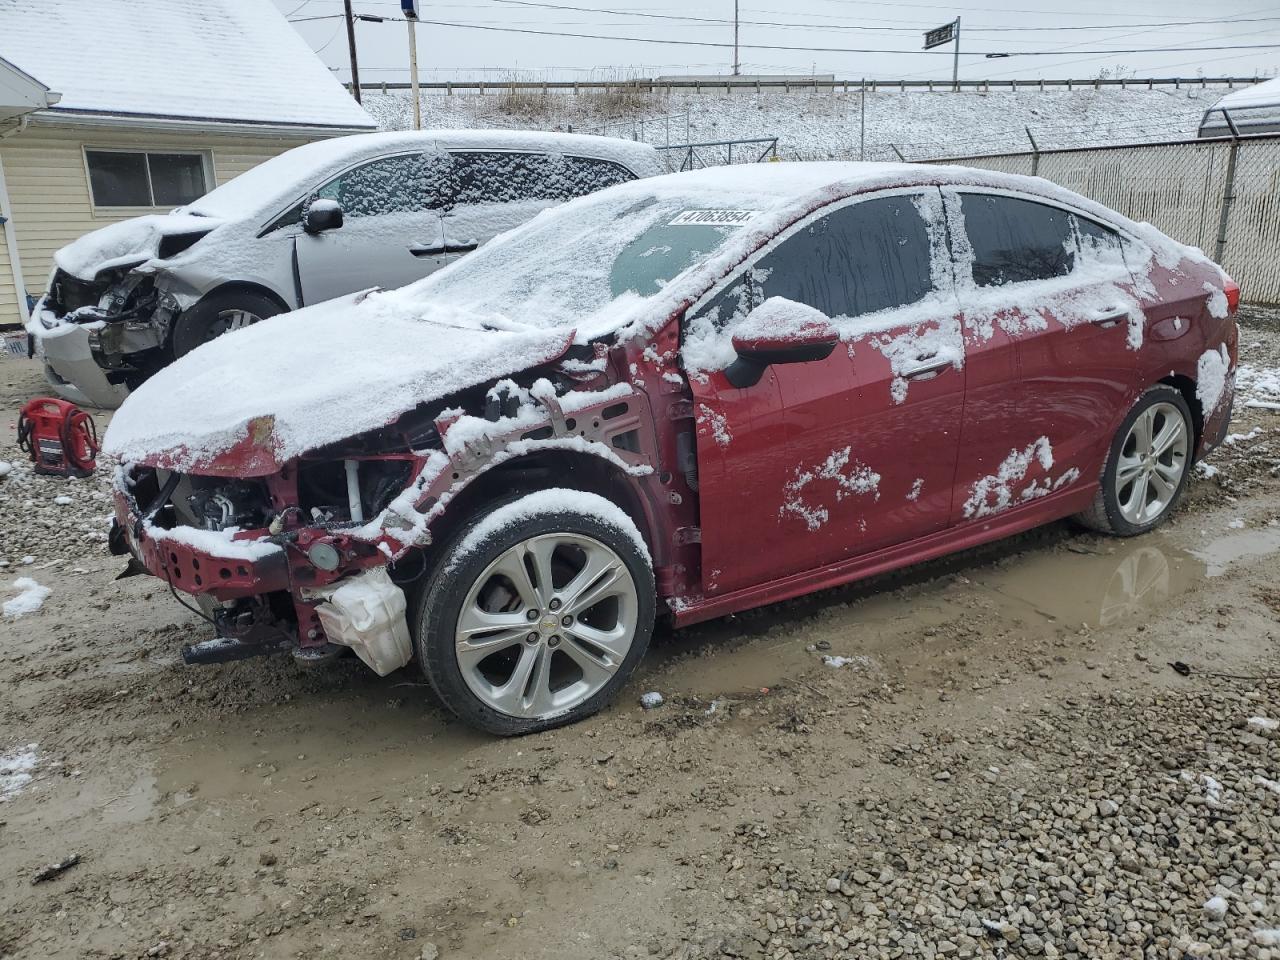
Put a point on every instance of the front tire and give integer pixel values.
(220, 313)
(537, 614)
(1147, 466)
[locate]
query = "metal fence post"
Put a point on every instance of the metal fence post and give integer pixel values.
(1228, 188)
(1035, 152)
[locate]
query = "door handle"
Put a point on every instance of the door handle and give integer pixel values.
(427, 251)
(461, 247)
(1106, 319)
(926, 368)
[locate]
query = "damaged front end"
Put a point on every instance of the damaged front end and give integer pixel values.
(124, 312)
(317, 553)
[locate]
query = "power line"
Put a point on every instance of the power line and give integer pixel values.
(813, 49)
(834, 26)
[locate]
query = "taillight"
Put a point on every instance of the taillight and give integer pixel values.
(1232, 290)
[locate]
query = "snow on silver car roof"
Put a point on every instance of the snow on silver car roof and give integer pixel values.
(213, 60)
(292, 173)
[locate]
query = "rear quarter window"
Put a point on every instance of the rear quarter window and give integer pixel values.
(503, 177)
(1016, 240)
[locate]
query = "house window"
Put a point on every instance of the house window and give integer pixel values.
(120, 178)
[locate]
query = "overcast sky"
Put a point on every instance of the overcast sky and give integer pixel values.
(1085, 29)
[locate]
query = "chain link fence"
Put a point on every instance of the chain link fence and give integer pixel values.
(1220, 195)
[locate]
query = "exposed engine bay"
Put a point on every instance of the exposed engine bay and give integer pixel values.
(127, 317)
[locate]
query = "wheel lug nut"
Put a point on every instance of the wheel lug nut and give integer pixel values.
(531, 638)
(553, 641)
(566, 621)
(532, 615)
(555, 604)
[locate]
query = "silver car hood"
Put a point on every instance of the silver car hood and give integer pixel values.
(127, 243)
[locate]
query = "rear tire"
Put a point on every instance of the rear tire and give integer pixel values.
(540, 618)
(217, 314)
(1147, 466)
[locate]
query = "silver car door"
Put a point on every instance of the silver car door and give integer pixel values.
(391, 233)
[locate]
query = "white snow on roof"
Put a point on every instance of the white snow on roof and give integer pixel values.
(1265, 94)
(227, 60)
(303, 168)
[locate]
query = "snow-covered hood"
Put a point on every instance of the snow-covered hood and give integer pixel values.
(249, 402)
(127, 242)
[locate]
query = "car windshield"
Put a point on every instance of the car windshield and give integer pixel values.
(570, 264)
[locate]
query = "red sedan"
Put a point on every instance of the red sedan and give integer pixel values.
(695, 394)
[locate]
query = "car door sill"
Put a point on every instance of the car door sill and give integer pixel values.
(963, 536)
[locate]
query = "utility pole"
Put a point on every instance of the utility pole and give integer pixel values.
(410, 10)
(862, 131)
(955, 62)
(351, 47)
(737, 66)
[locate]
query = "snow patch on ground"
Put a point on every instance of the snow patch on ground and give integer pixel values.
(851, 479)
(29, 600)
(1215, 908)
(825, 124)
(1263, 723)
(1258, 387)
(837, 662)
(16, 770)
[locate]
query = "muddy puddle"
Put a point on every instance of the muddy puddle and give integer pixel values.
(388, 736)
(1044, 585)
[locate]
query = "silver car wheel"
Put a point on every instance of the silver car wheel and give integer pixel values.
(546, 625)
(1152, 463)
(229, 320)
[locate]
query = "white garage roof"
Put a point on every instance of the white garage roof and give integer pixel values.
(224, 61)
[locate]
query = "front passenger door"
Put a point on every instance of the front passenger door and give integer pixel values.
(391, 234)
(828, 460)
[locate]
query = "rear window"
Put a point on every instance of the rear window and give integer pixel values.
(503, 177)
(1016, 240)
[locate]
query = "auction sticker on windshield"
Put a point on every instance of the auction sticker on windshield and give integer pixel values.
(712, 218)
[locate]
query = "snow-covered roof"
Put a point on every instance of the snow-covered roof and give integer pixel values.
(1266, 94)
(21, 93)
(302, 168)
(230, 61)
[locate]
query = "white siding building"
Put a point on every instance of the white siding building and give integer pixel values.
(114, 108)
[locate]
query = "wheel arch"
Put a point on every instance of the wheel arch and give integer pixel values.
(539, 470)
(246, 286)
(1186, 386)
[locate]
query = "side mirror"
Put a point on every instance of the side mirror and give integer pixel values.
(779, 331)
(322, 215)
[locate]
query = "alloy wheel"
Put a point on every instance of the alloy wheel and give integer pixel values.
(1152, 463)
(546, 625)
(229, 320)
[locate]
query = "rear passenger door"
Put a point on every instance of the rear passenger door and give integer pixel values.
(391, 232)
(1052, 324)
(497, 190)
(823, 461)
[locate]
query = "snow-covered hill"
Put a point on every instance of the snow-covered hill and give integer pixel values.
(813, 125)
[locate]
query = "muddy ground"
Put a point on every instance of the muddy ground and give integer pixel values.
(1007, 765)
